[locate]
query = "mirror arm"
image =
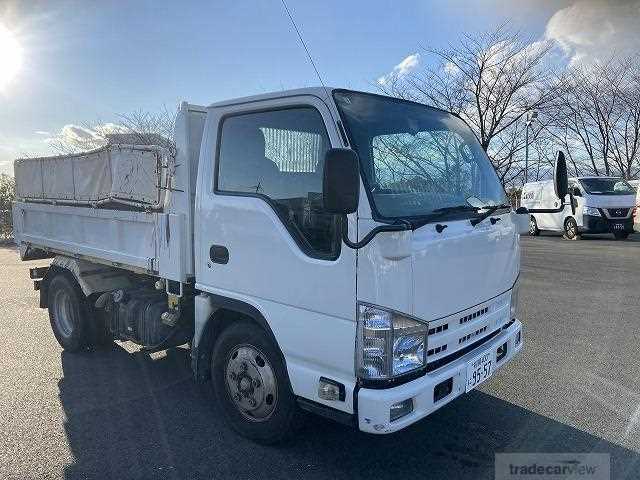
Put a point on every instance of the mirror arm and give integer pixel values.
(394, 227)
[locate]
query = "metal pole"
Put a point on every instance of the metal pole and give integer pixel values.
(526, 154)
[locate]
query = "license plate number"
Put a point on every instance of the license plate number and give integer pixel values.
(479, 369)
(618, 226)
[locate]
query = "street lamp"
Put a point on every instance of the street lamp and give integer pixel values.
(531, 116)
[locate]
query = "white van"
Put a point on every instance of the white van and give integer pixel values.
(602, 205)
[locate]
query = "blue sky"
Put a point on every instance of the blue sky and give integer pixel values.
(86, 61)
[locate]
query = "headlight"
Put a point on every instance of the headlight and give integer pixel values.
(515, 300)
(388, 343)
(593, 211)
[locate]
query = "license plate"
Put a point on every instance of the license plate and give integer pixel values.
(479, 369)
(618, 226)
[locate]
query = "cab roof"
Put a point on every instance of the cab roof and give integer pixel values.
(319, 92)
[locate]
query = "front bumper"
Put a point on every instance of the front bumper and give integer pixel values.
(592, 224)
(374, 405)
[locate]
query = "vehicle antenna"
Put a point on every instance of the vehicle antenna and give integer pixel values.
(306, 49)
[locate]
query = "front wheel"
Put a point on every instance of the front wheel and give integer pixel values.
(251, 384)
(571, 229)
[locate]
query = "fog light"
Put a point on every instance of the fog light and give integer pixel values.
(330, 390)
(400, 409)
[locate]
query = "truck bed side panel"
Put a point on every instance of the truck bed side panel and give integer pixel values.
(151, 242)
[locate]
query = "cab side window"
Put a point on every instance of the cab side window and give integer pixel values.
(279, 156)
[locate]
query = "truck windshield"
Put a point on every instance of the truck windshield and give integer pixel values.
(417, 161)
(607, 186)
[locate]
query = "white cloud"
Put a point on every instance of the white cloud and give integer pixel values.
(75, 137)
(405, 67)
(42, 132)
(591, 30)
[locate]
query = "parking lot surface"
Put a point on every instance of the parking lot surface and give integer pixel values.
(121, 414)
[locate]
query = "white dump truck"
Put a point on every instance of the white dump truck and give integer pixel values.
(327, 250)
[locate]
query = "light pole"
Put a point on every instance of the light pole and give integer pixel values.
(531, 116)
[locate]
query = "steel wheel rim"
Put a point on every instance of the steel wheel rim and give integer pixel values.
(251, 383)
(532, 226)
(63, 313)
(571, 229)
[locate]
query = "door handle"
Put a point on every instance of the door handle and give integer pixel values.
(219, 254)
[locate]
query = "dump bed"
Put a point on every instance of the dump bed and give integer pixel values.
(129, 206)
(131, 175)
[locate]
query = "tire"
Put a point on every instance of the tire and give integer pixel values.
(534, 231)
(251, 384)
(621, 236)
(571, 229)
(68, 314)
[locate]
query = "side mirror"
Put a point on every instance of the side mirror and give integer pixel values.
(576, 192)
(521, 220)
(341, 182)
(560, 177)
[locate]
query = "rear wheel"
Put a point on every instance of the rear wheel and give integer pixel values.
(251, 385)
(571, 229)
(533, 227)
(68, 313)
(621, 235)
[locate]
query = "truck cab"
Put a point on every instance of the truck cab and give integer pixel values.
(341, 252)
(396, 324)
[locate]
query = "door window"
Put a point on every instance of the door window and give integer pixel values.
(279, 156)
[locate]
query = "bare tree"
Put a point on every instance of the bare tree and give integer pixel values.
(625, 135)
(595, 117)
(491, 80)
(139, 127)
(148, 128)
(7, 195)
(582, 115)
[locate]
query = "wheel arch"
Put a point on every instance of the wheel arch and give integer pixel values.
(214, 313)
(52, 272)
(90, 277)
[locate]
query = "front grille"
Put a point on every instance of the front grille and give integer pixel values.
(439, 349)
(441, 362)
(469, 336)
(452, 336)
(474, 315)
(618, 212)
(439, 329)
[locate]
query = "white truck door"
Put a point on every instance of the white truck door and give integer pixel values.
(263, 237)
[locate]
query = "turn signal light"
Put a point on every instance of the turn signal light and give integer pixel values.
(331, 390)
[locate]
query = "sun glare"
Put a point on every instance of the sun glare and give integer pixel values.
(10, 57)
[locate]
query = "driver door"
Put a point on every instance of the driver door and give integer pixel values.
(262, 236)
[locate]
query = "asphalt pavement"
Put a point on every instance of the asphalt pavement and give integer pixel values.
(121, 414)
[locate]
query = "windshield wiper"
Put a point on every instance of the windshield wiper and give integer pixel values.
(456, 208)
(439, 213)
(488, 213)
